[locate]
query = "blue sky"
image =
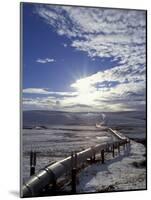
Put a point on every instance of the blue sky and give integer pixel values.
(83, 59)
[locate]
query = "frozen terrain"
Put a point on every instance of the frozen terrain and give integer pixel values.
(67, 132)
(58, 142)
(124, 172)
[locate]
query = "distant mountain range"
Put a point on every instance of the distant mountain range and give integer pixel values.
(34, 118)
(46, 118)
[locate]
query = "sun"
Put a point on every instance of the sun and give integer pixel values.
(84, 90)
(82, 85)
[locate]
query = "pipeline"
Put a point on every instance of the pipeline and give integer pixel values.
(49, 174)
(119, 136)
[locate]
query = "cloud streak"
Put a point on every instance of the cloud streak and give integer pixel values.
(45, 60)
(44, 91)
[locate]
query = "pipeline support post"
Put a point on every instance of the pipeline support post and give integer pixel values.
(118, 148)
(113, 150)
(107, 148)
(93, 157)
(54, 185)
(73, 183)
(124, 146)
(73, 172)
(102, 156)
(129, 144)
(32, 162)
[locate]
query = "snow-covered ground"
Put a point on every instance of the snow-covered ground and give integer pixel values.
(57, 143)
(124, 172)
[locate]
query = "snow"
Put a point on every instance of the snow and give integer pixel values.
(118, 173)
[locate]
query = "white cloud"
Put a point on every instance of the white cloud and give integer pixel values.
(45, 60)
(125, 94)
(35, 91)
(112, 33)
(112, 88)
(47, 92)
(101, 32)
(39, 103)
(65, 45)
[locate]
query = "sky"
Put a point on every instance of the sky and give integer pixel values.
(83, 59)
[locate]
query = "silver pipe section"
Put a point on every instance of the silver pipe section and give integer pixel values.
(49, 174)
(120, 137)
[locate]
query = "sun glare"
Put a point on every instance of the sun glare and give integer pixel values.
(85, 91)
(82, 86)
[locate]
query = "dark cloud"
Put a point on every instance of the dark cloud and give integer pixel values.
(78, 106)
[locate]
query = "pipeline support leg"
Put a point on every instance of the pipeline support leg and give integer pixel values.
(118, 148)
(113, 150)
(102, 156)
(32, 162)
(73, 183)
